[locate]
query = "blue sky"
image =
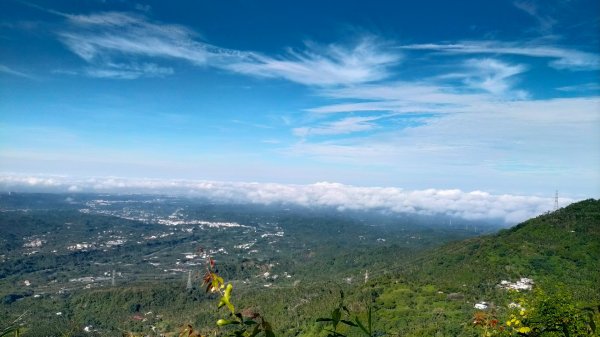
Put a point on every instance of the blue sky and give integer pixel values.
(499, 96)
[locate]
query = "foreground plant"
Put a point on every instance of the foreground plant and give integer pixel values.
(539, 314)
(337, 318)
(246, 323)
(11, 331)
(490, 325)
(14, 329)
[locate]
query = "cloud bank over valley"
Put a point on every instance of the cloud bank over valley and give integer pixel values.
(471, 205)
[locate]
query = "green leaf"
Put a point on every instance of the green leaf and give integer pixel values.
(324, 320)
(268, 329)
(255, 331)
(369, 316)
(346, 309)
(350, 323)
(334, 333)
(223, 322)
(225, 299)
(361, 326)
(565, 330)
(592, 323)
(336, 315)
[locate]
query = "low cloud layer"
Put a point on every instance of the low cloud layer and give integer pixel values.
(474, 205)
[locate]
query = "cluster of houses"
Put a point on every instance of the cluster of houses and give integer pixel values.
(522, 284)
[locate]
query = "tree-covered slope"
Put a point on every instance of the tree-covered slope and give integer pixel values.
(558, 247)
(435, 294)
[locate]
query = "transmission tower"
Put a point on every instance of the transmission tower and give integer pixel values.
(189, 281)
(113, 278)
(556, 201)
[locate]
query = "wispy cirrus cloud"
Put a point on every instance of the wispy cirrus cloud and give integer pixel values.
(476, 123)
(366, 61)
(562, 58)
(545, 22)
(400, 97)
(585, 87)
(476, 82)
(100, 37)
(10, 71)
(128, 71)
(474, 205)
(533, 138)
(343, 126)
(493, 76)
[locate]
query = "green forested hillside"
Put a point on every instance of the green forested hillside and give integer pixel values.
(435, 293)
(559, 247)
(411, 292)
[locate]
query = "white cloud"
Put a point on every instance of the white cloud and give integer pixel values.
(366, 61)
(475, 205)
(7, 70)
(483, 82)
(100, 37)
(492, 75)
(129, 71)
(533, 143)
(399, 97)
(545, 22)
(339, 127)
(503, 124)
(581, 87)
(563, 58)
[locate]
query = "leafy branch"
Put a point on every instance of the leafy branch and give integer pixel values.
(247, 323)
(337, 318)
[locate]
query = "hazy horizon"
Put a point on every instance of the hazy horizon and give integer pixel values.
(470, 205)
